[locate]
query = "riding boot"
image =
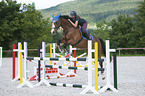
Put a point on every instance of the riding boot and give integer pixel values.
(83, 34)
(87, 36)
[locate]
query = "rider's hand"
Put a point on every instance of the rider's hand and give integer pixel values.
(68, 19)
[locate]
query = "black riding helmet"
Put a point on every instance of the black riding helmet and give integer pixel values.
(73, 13)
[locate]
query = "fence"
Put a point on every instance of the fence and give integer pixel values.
(8, 53)
(129, 49)
(119, 49)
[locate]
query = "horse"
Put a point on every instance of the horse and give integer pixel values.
(72, 36)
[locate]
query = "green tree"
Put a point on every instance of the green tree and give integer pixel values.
(123, 31)
(33, 28)
(22, 25)
(9, 15)
(103, 29)
(140, 24)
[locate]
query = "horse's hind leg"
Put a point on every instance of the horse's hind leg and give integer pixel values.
(101, 62)
(102, 72)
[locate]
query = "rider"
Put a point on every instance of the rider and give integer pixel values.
(79, 22)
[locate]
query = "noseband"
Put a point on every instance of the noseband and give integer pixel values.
(56, 28)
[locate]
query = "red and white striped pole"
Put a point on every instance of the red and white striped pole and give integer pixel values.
(13, 70)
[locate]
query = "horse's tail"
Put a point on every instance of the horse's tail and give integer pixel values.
(103, 46)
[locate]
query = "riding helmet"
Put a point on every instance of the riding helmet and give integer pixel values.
(73, 13)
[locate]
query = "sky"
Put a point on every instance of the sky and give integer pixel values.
(42, 4)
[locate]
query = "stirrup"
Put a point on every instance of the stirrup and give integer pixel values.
(86, 35)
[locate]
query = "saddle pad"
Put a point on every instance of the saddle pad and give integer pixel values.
(90, 36)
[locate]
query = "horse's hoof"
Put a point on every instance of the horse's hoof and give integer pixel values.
(103, 78)
(62, 51)
(67, 53)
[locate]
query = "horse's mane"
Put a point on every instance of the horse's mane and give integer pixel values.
(65, 17)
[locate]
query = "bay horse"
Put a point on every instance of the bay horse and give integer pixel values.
(72, 35)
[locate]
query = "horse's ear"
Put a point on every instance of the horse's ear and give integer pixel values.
(59, 14)
(52, 15)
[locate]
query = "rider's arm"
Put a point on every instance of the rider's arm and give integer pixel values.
(74, 24)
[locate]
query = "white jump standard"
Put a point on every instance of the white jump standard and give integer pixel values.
(108, 85)
(23, 81)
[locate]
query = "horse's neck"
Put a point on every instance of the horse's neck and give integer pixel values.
(67, 27)
(65, 24)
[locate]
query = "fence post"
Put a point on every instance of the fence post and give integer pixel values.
(115, 66)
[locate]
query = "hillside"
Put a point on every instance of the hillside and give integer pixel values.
(94, 10)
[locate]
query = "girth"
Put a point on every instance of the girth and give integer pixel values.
(78, 42)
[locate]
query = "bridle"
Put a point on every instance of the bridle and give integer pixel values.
(56, 28)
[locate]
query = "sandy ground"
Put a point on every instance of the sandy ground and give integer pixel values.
(131, 81)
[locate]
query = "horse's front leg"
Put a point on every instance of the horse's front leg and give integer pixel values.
(58, 44)
(65, 47)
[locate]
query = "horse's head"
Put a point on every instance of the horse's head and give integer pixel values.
(55, 23)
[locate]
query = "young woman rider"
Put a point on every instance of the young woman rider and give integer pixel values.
(77, 21)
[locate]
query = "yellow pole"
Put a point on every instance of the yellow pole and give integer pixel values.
(21, 81)
(96, 66)
(50, 53)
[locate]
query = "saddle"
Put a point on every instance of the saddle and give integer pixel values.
(86, 35)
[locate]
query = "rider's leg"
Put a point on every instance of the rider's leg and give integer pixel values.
(84, 30)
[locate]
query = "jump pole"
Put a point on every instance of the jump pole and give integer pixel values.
(18, 67)
(75, 61)
(53, 49)
(14, 46)
(96, 66)
(50, 53)
(20, 48)
(115, 66)
(39, 66)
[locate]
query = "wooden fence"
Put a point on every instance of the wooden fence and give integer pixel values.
(128, 49)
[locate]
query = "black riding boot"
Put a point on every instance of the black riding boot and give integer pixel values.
(87, 36)
(83, 34)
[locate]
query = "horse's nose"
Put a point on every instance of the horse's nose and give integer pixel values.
(52, 31)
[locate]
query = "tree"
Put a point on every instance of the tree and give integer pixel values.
(103, 30)
(34, 29)
(26, 24)
(140, 24)
(123, 31)
(9, 13)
